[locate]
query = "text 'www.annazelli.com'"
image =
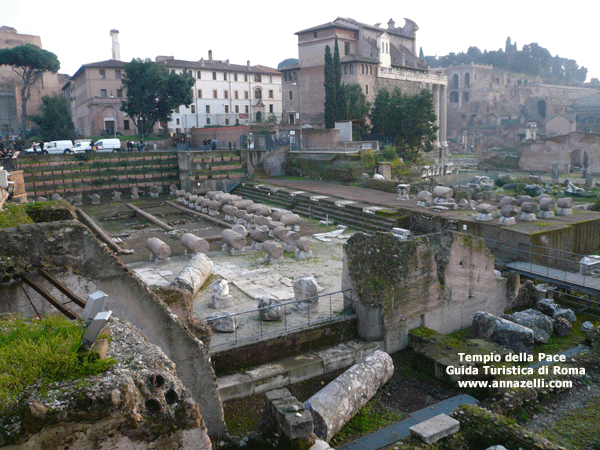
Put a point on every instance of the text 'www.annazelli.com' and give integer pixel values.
(536, 383)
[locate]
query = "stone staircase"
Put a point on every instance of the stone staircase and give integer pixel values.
(358, 216)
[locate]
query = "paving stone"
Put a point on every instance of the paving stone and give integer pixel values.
(436, 428)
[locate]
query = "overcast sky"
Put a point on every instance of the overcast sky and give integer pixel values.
(262, 31)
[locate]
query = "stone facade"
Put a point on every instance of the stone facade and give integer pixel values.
(226, 94)
(401, 285)
(371, 56)
(495, 104)
(580, 149)
(10, 85)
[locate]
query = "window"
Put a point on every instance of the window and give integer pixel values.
(177, 121)
(198, 74)
(270, 78)
(271, 109)
(246, 95)
(366, 89)
(207, 109)
(126, 125)
(208, 121)
(291, 95)
(226, 109)
(246, 110)
(257, 78)
(315, 34)
(245, 77)
(199, 93)
(224, 76)
(271, 95)
(236, 94)
(215, 95)
(119, 93)
(102, 74)
(291, 118)
(103, 93)
(193, 109)
(235, 77)
(258, 93)
(226, 121)
(226, 93)
(117, 74)
(237, 109)
(214, 75)
(346, 48)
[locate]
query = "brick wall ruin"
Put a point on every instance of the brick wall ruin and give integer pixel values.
(401, 285)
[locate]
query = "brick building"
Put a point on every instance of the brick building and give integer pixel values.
(371, 56)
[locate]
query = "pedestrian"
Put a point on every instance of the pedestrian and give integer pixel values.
(214, 144)
(230, 146)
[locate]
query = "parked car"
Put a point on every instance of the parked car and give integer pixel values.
(107, 145)
(58, 147)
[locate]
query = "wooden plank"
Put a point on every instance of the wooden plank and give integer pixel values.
(62, 288)
(44, 293)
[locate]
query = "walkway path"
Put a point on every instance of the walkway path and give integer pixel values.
(393, 433)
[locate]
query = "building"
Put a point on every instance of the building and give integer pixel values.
(226, 94)
(494, 105)
(11, 83)
(96, 92)
(371, 56)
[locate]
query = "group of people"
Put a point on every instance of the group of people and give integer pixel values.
(138, 146)
(210, 144)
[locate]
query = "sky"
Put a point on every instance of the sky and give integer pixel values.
(263, 31)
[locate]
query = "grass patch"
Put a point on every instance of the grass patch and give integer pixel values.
(13, 215)
(577, 430)
(42, 349)
(372, 417)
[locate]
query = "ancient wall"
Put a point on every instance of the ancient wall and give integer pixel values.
(566, 150)
(69, 251)
(401, 285)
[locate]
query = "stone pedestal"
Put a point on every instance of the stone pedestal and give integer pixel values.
(403, 191)
(527, 217)
(483, 217)
(564, 211)
(545, 214)
(507, 221)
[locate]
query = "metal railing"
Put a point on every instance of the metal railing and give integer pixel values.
(250, 327)
(550, 263)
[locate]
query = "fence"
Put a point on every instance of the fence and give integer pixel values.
(250, 327)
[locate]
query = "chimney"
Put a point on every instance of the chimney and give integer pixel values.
(248, 64)
(116, 50)
(210, 55)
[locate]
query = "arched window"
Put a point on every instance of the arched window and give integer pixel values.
(467, 80)
(454, 97)
(258, 93)
(454, 81)
(465, 96)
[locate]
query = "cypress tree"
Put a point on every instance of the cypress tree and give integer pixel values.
(340, 96)
(330, 101)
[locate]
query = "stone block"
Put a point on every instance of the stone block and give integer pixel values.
(269, 377)
(337, 357)
(436, 428)
(235, 386)
(298, 424)
(303, 367)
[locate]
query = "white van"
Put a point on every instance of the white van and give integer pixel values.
(82, 146)
(58, 147)
(107, 145)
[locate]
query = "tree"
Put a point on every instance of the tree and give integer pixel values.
(357, 107)
(340, 98)
(30, 63)
(330, 92)
(153, 93)
(406, 120)
(54, 121)
(335, 98)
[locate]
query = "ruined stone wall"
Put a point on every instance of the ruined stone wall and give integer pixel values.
(68, 250)
(401, 285)
(566, 150)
